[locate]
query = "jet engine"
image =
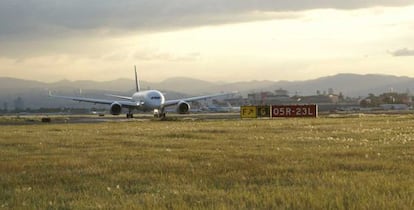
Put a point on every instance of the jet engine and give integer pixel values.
(183, 108)
(116, 108)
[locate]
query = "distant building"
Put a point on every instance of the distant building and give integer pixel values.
(18, 104)
(237, 101)
(5, 107)
(318, 99)
(394, 106)
(280, 96)
(281, 92)
(386, 100)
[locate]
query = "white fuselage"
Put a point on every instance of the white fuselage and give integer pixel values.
(150, 99)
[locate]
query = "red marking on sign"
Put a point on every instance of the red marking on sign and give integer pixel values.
(295, 110)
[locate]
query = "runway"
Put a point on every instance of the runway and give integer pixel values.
(71, 119)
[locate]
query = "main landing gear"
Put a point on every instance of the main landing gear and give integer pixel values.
(162, 115)
(129, 114)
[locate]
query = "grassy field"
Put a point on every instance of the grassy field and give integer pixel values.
(359, 162)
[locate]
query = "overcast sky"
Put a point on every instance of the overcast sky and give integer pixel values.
(215, 40)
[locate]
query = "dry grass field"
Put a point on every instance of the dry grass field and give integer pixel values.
(357, 162)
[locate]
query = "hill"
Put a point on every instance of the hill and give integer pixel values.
(34, 93)
(353, 85)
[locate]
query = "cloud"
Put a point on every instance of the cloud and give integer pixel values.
(30, 28)
(22, 18)
(402, 52)
(165, 56)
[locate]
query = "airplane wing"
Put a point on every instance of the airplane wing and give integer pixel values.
(197, 98)
(130, 104)
(118, 96)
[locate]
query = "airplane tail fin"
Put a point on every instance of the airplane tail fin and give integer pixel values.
(137, 86)
(229, 105)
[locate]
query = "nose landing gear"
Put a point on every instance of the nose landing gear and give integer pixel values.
(158, 114)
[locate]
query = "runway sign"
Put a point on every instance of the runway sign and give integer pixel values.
(263, 111)
(295, 110)
(248, 112)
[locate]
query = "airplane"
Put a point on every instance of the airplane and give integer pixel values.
(143, 100)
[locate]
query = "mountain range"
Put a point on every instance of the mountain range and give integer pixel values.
(34, 93)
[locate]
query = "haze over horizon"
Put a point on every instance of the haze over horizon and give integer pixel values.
(211, 40)
(187, 79)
